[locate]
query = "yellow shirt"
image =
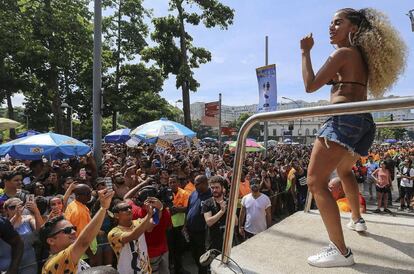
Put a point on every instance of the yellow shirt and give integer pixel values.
(123, 251)
(62, 263)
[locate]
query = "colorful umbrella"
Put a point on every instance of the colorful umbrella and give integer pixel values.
(161, 129)
(251, 146)
(50, 145)
(6, 123)
(29, 132)
(118, 136)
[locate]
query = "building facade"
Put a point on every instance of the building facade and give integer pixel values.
(301, 130)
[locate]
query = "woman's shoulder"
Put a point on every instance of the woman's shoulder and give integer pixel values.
(346, 53)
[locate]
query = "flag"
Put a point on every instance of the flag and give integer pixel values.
(266, 78)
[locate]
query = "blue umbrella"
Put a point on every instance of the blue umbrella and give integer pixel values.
(118, 136)
(50, 145)
(29, 132)
(163, 129)
(390, 141)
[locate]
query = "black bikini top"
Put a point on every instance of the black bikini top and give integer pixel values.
(334, 83)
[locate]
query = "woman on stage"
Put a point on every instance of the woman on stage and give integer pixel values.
(369, 56)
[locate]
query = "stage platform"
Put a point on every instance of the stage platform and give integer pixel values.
(387, 246)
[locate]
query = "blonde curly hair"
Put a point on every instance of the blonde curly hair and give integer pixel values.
(381, 45)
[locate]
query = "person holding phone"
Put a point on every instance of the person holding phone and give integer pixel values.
(66, 248)
(26, 226)
(127, 239)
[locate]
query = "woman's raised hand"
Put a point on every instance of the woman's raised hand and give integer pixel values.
(306, 43)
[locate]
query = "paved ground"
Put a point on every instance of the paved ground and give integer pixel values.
(387, 247)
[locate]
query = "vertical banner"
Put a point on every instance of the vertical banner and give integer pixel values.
(211, 114)
(266, 78)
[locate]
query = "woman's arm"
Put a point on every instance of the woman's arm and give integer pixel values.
(327, 72)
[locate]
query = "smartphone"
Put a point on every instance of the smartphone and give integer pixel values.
(108, 182)
(30, 198)
(155, 216)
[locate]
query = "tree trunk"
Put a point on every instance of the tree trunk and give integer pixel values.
(184, 62)
(114, 116)
(10, 113)
(56, 100)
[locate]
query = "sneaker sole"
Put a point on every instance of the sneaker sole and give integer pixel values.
(360, 228)
(357, 228)
(332, 264)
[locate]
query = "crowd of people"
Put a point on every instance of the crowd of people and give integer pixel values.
(143, 208)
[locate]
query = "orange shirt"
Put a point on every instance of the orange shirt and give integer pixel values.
(244, 188)
(78, 214)
(190, 188)
(181, 198)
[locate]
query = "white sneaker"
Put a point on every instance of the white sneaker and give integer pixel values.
(331, 257)
(359, 225)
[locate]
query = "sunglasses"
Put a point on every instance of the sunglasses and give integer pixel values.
(67, 230)
(13, 207)
(125, 208)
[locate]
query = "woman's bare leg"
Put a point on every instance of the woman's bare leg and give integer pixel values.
(379, 199)
(350, 184)
(323, 161)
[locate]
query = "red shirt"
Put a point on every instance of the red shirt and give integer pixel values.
(156, 239)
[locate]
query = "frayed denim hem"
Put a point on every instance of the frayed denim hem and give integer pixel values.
(349, 148)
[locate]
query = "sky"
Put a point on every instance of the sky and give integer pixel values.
(238, 51)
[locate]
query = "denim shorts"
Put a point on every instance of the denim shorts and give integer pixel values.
(356, 132)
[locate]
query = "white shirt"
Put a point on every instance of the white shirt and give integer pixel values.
(405, 182)
(255, 212)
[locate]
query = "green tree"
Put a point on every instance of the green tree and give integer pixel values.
(58, 53)
(180, 60)
(14, 77)
(125, 32)
(254, 133)
(203, 131)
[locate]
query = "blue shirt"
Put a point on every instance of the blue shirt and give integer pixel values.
(371, 167)
(195, 220)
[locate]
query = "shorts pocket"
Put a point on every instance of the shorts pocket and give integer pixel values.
(351, 127)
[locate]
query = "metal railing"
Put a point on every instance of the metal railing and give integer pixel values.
(406, 123)
(335, 109)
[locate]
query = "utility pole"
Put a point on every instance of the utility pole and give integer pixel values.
(97, 82)
(266, 124)
(219, 133)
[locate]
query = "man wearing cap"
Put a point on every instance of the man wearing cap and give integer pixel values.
(128, 241)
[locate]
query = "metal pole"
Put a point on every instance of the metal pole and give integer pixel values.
(71, 122)
(285, 115)
(266, 124)
(219, 133)
(97, 81)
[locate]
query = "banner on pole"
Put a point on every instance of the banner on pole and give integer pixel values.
(266, 78)
(211, 114)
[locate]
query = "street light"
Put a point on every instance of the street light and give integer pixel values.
(65, 105)
(299, 106)
(411, 15)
